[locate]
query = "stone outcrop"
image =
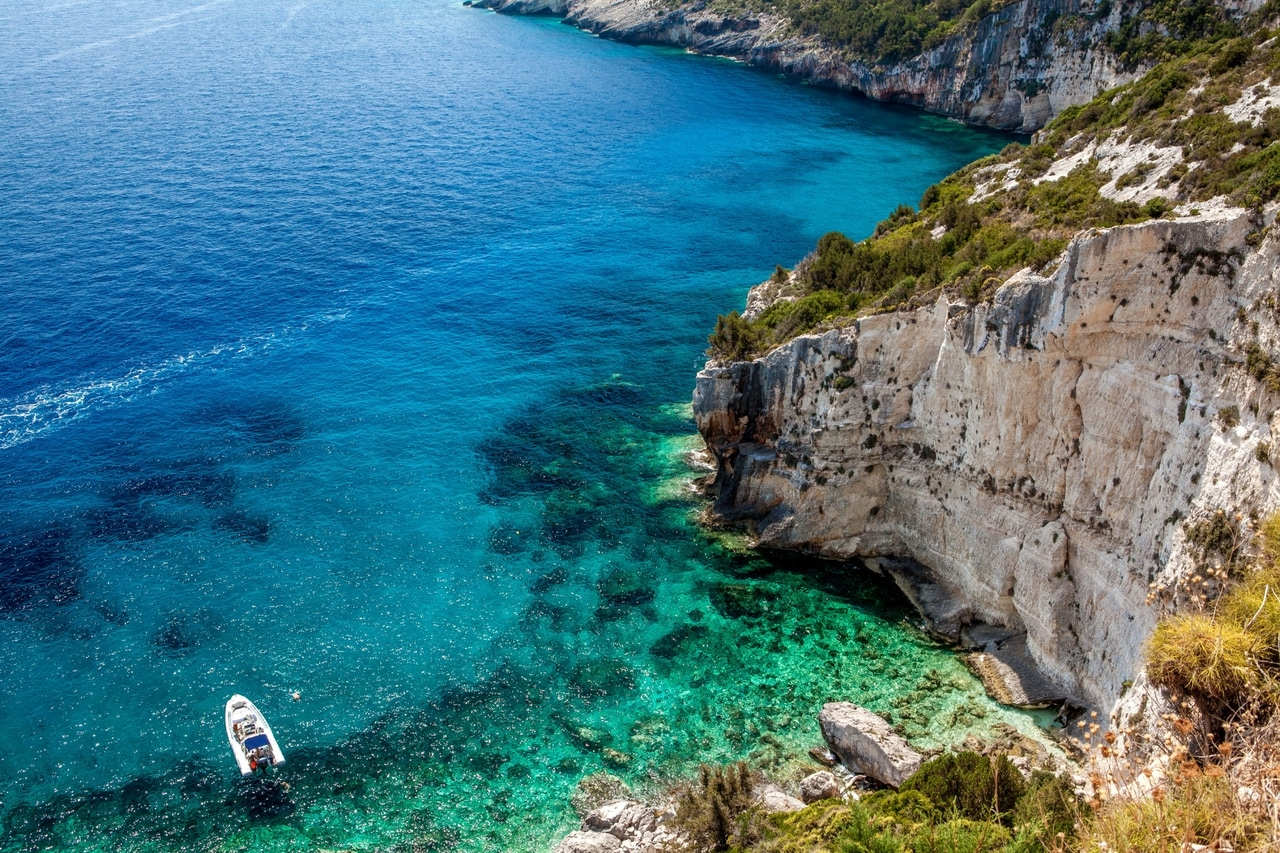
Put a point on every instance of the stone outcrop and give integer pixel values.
(866, 744)
(625, 826)
(1039, 454)
(771, 799)
(822, 785)
(1012, 69)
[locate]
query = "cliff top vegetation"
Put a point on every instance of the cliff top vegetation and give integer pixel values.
(1200, 126)
(887, 31)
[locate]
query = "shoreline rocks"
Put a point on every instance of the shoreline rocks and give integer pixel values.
(867, 744)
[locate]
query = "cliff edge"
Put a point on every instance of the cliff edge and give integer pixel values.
(1013, 68)
(1068, 446)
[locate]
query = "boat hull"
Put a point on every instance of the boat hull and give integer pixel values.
(252, 742)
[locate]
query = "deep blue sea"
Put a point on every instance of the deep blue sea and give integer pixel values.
(346, 348)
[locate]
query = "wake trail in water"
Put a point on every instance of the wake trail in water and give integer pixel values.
(44, 410)
(155, 25)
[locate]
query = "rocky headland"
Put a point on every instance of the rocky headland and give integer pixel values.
(1047, 403)
(1013, 69)
(1058, 449)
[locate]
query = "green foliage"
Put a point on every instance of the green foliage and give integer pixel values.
(960, 835)
(1166, 28)
(885, 30)
(1049, 806)
(734, 339)
(709, 810)
(1217, 534)
(977, 787)
(909, 821)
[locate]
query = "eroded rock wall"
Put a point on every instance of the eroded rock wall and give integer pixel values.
(1036, 452)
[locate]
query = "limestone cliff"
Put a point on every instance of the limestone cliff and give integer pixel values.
(1013, 69)
(1036, 451)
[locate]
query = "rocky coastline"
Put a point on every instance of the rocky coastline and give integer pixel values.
(1013, 69)
(1034, 453)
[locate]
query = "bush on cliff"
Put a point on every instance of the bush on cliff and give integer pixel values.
(734, 339)
(710, 810)
(1038, 816)
(1225, 655)
(977, 787)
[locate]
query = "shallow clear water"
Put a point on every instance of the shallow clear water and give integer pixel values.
(345, 349)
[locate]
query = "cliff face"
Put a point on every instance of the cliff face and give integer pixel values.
(1014, 69)
(1037, 451)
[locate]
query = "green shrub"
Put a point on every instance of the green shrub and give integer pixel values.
(709, 809)
(1049, 806)
(978, 787)
(1206, 657)
(734, 339)
(960, 835)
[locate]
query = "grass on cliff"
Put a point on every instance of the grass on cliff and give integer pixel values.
(968, 242)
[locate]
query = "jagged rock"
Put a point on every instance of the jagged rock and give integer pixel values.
(588, 842)
(624, 819)
(822, 785)
(770, 798)
(865, 743)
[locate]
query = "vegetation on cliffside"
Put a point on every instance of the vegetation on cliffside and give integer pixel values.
(957, 803)
(1202, 125)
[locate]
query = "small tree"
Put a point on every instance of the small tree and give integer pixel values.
(734, 339)
(709, 809)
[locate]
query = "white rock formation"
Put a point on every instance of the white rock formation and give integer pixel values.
(1038, 452)
(867, 744)
(822, 785)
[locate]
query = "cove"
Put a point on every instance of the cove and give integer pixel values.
(347, 351)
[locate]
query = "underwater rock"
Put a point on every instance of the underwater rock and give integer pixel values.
(823, 756)
(588, 842)
(625, 587)
(549, 581)
(584, 737)
(822, 785)
(597, 679)
(616, 758)
(38, 567)
(741, 600)
(597, 789)
(248, 528)
(865, 743)
(677, 641)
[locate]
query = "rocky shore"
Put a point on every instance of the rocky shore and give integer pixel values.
(862, 751)
(1013, 69)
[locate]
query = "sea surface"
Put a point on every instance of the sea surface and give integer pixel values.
(346, 349)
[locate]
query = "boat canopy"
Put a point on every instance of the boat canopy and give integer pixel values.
(256, 741)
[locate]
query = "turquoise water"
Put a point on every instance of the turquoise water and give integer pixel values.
(346, 350)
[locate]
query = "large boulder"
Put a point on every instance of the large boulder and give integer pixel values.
(588, 842)
(865, 743)
(623, 819)
(822, 785)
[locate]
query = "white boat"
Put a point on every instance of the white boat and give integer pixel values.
(251, 739)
